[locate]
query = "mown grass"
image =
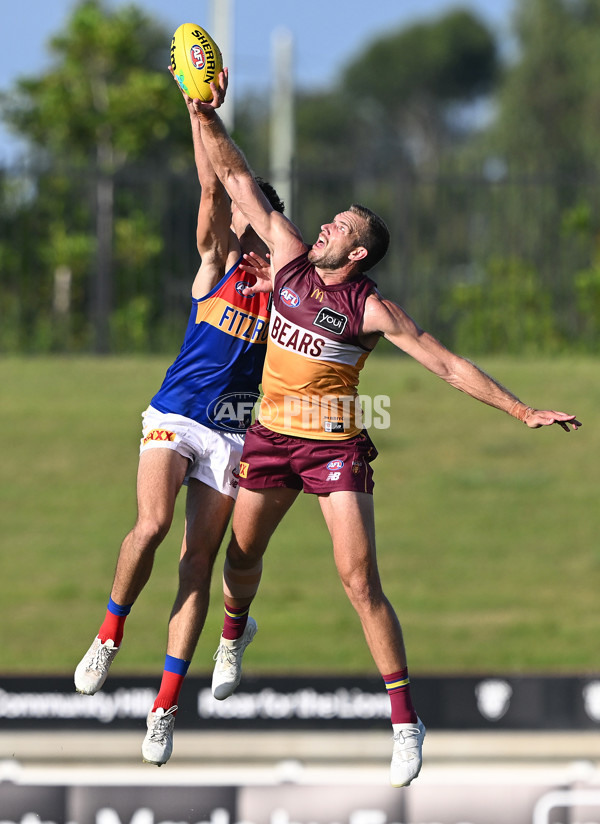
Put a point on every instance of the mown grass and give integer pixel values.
(487, 531)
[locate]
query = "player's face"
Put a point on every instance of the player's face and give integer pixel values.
(335, 242)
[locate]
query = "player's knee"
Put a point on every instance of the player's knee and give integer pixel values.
(242, 558)
(364, 591)
(195, 570)
(151, 531)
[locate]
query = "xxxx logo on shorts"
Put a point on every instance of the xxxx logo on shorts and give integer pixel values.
(159, 435)
(243, 469)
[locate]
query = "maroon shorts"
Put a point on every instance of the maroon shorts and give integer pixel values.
(273, 460)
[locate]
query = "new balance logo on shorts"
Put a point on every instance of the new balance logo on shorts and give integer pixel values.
(334, 468)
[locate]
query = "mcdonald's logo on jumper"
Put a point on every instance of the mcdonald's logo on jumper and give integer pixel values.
(318, 294)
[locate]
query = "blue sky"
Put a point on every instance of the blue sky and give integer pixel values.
(326, 34)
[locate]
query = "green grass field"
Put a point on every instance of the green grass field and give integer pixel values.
(487, 531)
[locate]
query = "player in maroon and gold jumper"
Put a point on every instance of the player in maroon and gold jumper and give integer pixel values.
(327, 317)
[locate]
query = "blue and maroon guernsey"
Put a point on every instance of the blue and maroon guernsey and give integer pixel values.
(215, 378)
(314, 356)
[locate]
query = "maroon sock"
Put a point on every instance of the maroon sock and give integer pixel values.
(397, 685)
(235, 622)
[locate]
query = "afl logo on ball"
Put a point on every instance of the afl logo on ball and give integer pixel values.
(289, 297)
(197, 57)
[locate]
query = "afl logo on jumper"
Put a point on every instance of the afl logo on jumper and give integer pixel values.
(240, 286)
(289, 297)
(331, 320)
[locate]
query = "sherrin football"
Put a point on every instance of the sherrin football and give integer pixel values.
(196, 60)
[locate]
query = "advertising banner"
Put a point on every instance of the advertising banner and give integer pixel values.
(310, 702)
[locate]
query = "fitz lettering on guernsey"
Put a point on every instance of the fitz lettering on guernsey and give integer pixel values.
(243, 324)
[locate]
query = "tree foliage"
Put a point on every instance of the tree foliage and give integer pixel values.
(448, 60)
(418, 75)
(389, 122)
(108, 86)
(482, 218)
(543, 99)
(107, 102)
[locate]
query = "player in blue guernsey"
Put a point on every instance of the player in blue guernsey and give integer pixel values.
(192, 434)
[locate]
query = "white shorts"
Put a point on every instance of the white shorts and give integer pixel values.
(214, 456)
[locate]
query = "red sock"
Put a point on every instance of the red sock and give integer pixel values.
(235, 622)
(172, 681)
(397, 685)
(112, 627)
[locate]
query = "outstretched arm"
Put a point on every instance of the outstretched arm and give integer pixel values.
(281, 236)
(386, 318)
(214, 238)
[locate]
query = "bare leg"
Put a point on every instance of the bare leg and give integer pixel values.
(207, 516)
(256, 516)
(160, 475)
(350, 520)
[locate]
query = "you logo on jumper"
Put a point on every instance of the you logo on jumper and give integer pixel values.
(330, 320)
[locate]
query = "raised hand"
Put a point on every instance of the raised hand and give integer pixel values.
(197, 106)
(260, 268)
